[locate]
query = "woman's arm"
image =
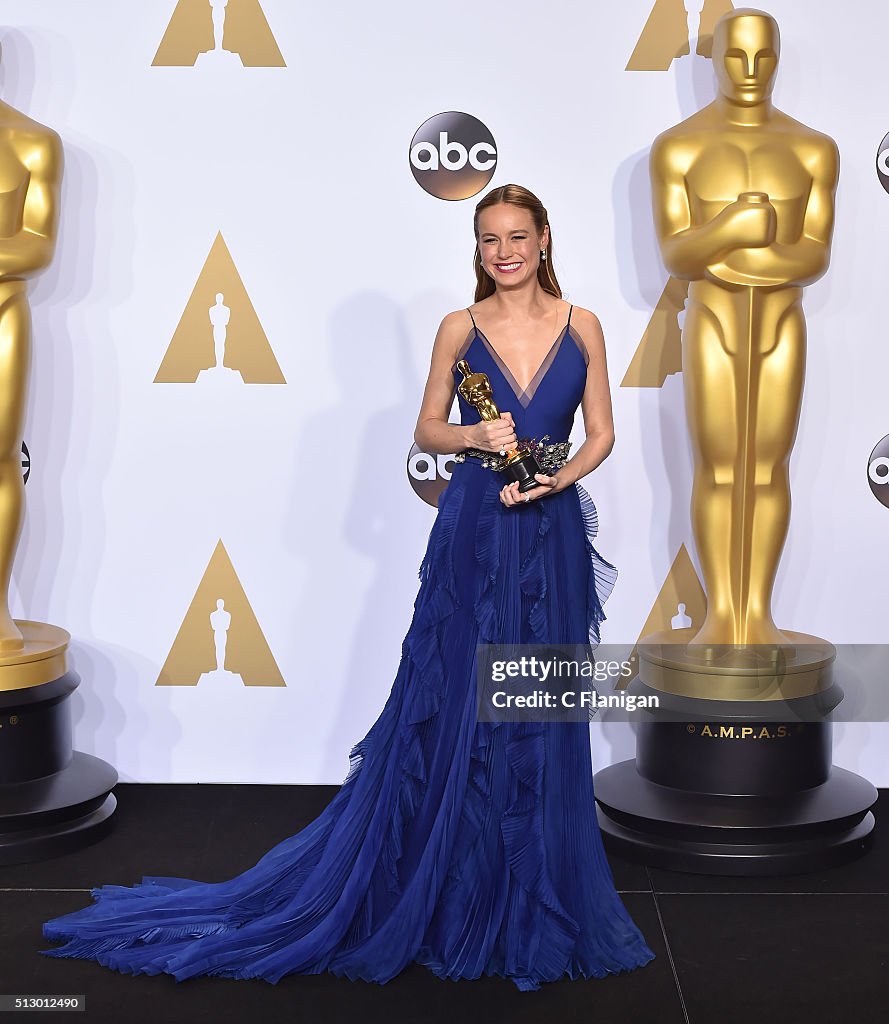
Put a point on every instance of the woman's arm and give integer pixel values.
(598, 420)
(433, 433)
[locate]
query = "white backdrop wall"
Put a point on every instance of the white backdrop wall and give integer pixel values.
(350, 266)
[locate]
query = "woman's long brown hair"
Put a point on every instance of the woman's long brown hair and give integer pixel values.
(518, 196)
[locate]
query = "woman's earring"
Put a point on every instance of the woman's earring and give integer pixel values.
(543, 254)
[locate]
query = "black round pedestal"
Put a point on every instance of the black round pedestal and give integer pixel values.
(734, 788)
(52, 799)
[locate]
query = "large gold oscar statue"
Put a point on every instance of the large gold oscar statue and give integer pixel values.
(30, 178)
(51, 798)
(744, 209)
(743, 200)
(733, 775)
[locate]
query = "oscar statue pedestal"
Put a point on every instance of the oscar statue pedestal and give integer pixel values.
(52, 799)
(733, 771)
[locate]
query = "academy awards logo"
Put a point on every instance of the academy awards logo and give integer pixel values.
(878, 471)
(219, 340)
(668, 34)
(453, 155)
(659, 353)
(883, 163)
(671, 26)
(220, 641)
(428, 474)
(218, 33)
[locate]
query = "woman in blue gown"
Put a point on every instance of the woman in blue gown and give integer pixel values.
(471, 847)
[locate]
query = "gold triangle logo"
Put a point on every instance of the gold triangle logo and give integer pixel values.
(665, 36)
(220, 33)
(659, 353)
(219, 337)
(220, 638)
(681, 602)
(713, 10)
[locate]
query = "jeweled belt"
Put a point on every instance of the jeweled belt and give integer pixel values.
(550, 456)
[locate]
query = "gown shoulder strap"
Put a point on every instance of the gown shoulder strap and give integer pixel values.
(464, 347)
(569, 317)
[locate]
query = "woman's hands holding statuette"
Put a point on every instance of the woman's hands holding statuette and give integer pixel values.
(494, 435)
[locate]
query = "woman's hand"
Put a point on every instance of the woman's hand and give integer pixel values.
(493, 435)
(509, 494)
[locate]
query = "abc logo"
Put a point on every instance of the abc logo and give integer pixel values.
(878, 471)
(428, 474)
(883, 163)
(453, 155)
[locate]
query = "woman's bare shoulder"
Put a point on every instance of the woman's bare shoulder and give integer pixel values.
(452, 332)
(456, 318)
(586, 319)
(587, 332)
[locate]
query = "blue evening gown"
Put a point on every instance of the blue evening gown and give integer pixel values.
(472, 848)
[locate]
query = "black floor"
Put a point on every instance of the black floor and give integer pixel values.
(806, 948)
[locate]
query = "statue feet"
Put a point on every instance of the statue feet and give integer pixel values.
(764, 633)
(717, 630)
(11, 639)
(721, 630)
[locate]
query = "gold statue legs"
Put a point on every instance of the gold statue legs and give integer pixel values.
(15, 357)
(743, 361)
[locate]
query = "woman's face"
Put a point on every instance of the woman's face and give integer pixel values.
(509, 244)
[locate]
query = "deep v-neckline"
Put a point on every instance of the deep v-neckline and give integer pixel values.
(524, 395)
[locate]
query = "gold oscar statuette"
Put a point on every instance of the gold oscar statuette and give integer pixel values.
(30, 175)
(520, 463)
(743, 200)
(51, 799)
(733, 771)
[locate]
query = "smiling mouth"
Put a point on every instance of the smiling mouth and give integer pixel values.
(507, 268)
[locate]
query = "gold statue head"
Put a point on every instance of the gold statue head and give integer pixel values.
(746, 46)
(475, 387)
(476, 390)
